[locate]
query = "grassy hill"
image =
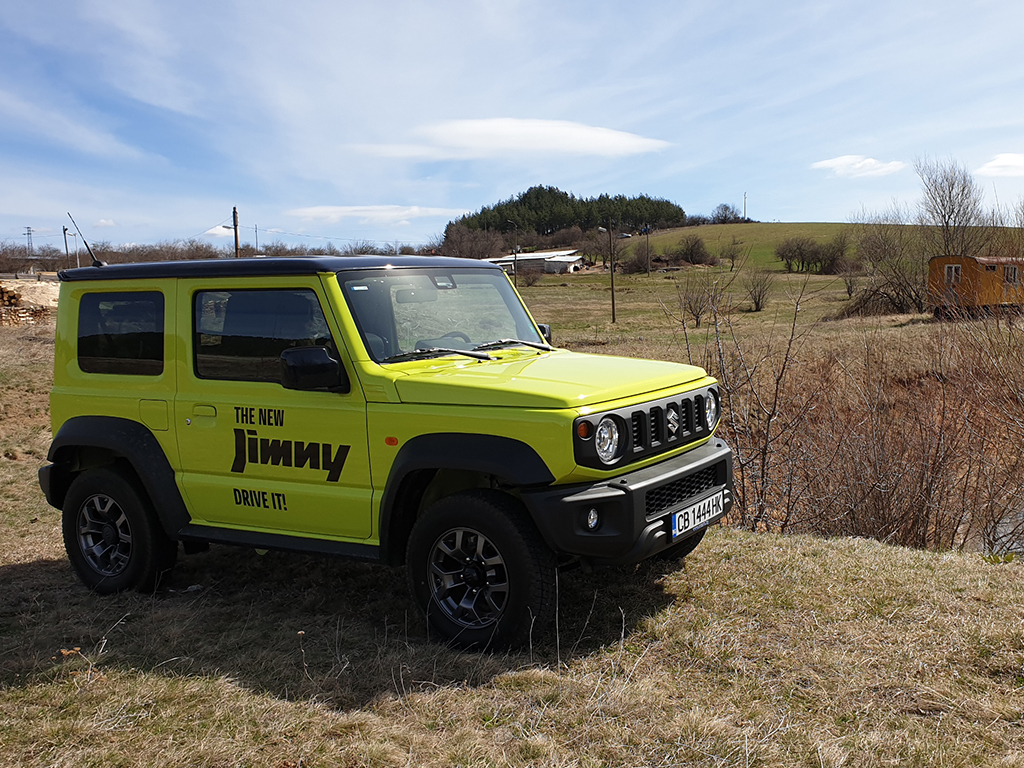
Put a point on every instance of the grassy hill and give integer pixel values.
(759, 650)
(760, 239)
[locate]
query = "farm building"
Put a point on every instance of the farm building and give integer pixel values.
(553, 262)
(971, 284)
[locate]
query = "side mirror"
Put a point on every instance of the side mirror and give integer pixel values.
(545, 331)
(312, 368)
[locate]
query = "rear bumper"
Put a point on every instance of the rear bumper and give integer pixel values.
(635, 509)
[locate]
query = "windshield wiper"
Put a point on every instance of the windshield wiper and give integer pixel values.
(511, 342)
(416, 354)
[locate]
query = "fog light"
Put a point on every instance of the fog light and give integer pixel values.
(593, 520)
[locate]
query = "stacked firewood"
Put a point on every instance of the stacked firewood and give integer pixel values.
(9, 297)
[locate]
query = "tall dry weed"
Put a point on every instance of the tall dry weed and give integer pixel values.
(908, 435)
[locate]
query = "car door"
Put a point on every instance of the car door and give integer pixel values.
(253, 454)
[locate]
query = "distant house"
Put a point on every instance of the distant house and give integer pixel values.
(971, 284)
(553, 262)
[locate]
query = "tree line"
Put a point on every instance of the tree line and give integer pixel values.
(546, 210)
(547, 217)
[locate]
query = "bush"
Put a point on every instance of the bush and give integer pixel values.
(635, 264)
(758, 284)
(692, 250)
(910, 438)
(798, 253)
(530, 276)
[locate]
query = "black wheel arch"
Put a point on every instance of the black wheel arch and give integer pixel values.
(510, 461)
(91, 441)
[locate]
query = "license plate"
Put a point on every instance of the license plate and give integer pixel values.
(685, 520)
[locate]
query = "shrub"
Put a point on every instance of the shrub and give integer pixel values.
(909, 439)
(692, 250)
(758, 285)
(531, 275)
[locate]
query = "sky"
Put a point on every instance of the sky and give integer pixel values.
(344, 121)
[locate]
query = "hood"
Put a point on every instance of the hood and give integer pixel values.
(517, 379)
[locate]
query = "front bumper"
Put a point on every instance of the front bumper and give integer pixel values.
(635, 509)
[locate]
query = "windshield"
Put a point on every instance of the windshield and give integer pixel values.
(402, 310)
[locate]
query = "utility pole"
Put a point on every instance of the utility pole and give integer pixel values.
(744, 205)
(67, 253)
(611, 261)
(611, 258)
(515, 255)
(647, 232)
(28, 238)
(234, 219)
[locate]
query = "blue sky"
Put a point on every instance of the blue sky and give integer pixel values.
(382, 120)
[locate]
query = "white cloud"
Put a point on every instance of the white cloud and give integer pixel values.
(61, 129)
(221, 231)
(373, 214)
(105, 223)
(855, 166)
(473, 139)
(1007, 164)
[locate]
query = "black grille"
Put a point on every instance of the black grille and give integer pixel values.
(650, 428)
(687, 416)
(657, 500)
(639, 431)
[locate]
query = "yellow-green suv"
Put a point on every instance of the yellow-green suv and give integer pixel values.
(403, 410)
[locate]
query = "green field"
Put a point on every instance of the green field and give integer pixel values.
(758, 238)
(649, 318)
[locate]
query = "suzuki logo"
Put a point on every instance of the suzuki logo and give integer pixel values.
(672, 417)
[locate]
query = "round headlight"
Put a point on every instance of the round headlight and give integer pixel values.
(710, 409)
(606, 440)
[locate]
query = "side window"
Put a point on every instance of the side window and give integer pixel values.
(952, 274)
(121, 333)
(240, 335)
(1010, 274)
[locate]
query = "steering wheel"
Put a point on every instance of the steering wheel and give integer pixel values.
(457, 335)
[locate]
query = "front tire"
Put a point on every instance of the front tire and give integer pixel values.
(480, 571)
(111, 534)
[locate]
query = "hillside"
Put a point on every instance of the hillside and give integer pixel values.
(759, 650)
(757, 238)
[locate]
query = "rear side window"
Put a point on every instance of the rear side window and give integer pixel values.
(240, 335)
(121, 333)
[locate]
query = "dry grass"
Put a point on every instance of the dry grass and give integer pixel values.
(762, 651)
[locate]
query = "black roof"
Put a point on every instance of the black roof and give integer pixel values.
(255, 267)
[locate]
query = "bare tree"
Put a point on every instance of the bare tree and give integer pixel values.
(466, 243)
(834, 253)
(692, 250)
(700, 295)
(732, 252)
(758, 285)
(850, 274)
(897, 263)
(954, 223)
(642, 255)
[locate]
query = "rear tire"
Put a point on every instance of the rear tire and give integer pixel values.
(111, 533)
(480, 571)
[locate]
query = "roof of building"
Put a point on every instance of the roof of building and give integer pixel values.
(572, 255)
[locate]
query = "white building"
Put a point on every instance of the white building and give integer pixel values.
(553, 262)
